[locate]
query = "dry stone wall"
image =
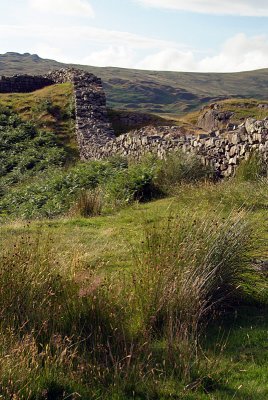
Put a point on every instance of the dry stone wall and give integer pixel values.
(93, 128)
(23, 83)
(222, 149)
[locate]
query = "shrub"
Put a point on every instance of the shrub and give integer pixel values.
(133, 183)
(24, 150)
(54, 192)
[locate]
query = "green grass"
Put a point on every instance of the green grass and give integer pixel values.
(104, 250)
(241, 108)
(245, 108)
(155, 298)
(50, 109)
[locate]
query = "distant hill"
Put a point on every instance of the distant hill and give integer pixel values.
(174, 93)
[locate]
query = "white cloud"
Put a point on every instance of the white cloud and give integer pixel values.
(257, 8)
(85, 35)
(45, 50)
(170, 59)
(101, 47)
(116, 56)
(64, 7)
(240, 53)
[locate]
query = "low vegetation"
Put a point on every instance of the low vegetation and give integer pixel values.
(157, 300)
(37, 179)
(50, 110)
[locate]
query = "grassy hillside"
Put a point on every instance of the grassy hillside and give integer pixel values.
(172, 93)
(50, 109)
(241, 109)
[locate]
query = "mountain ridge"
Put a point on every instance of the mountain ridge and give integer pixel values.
(159, 92)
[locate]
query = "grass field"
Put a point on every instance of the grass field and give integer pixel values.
(102, 257)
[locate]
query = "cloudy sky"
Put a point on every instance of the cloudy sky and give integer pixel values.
(174, 35)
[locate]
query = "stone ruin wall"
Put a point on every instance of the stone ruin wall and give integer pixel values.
(222, 150)
(93, 128)
(96, 139)
(23, 83)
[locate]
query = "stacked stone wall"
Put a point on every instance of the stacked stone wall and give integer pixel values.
(93, 128)
(23, 83)
(223, 150)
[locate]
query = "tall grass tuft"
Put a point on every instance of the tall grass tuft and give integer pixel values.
(180, 168)
(252, 169)
(56, 330)
(88, 204)
(189, 268)
(35, 296)
(84, 331)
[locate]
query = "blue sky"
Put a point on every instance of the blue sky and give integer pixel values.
(176, 35)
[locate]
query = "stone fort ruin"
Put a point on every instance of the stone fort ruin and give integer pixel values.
(97, 140)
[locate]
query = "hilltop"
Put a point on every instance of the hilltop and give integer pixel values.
(173, 93)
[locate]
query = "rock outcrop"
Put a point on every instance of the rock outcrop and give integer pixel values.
(213, 118)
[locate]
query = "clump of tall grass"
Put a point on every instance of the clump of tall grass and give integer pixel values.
(42, 306)
(252, 169)
(33, 293)
(29, 371)
(189, 267)
(180, 168)
(89, 203)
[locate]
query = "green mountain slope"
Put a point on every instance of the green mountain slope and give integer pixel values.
(151, 91)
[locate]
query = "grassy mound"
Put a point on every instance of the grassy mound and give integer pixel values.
(241, 109)
(50, 109)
